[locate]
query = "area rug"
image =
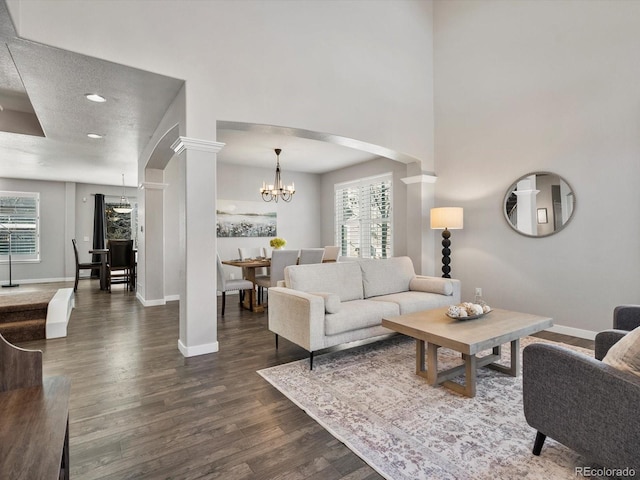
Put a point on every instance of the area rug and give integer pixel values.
(370, 399)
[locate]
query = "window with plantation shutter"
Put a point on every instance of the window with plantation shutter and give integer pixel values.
(20, 225)
(363, 217)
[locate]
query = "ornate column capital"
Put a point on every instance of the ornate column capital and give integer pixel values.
(187, 143)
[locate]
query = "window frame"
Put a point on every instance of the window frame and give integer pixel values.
(364, 225)
(21, 257)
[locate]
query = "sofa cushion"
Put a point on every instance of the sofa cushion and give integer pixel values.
(410, 302)
(390, 275)
(443, 286)
(625, 354)
(343, 279)
(358, 314)
(332, 302)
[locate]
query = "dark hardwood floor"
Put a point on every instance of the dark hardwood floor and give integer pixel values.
(140, 410)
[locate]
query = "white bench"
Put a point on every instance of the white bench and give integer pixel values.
(59, 312)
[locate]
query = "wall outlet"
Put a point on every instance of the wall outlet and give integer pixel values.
(478, 292)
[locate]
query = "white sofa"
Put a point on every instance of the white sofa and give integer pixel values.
(323, 305)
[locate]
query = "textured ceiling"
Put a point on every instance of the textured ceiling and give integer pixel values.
(54, 82)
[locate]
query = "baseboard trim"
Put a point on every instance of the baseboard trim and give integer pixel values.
(39, 280)
(150, 303)
(574, 332)
(197, 349)
(172, 298)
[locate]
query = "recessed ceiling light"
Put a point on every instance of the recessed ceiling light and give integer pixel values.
(94, 97)
(94, 135)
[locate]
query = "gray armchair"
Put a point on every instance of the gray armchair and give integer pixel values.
(583, 403)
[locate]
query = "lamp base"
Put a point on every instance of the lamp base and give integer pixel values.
(446, 251)
(8, 285)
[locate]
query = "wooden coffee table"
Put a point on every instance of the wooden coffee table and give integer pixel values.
(468, 337)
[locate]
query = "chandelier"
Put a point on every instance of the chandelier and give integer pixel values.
(124, 206)
(277, 190)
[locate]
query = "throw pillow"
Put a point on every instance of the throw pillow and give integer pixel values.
(625, 354)
(331, 301)
(442, 286)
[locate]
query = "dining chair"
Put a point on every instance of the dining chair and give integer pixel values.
(331, 253)
(280, 259)
(223, 285)
(252, 252)
(120, 262)
(249, 252)
(82, 266)
(311, 255)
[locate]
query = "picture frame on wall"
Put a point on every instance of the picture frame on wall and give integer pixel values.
(542, 216)
(238, 218)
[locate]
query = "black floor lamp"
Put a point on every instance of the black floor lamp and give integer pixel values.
(10, 284)
(447, 218)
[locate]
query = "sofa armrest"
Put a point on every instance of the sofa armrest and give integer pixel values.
(582, 403)
(457, 291)
(626, 317)
(605, 340)
(297, 316)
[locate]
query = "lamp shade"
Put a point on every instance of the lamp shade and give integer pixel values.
(451, 218)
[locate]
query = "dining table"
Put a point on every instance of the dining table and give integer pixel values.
(249, 267)
(104, 255)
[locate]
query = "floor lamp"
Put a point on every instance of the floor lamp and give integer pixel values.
(447, 218)
(10, 284)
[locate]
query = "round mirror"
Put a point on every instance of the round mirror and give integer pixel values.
(539, 204)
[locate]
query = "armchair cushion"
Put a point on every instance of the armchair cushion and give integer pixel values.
(625, 354)
(332, 302)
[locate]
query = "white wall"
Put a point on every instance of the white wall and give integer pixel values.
(358, 69)
(299, 221)
(52, 232)
(527, 86)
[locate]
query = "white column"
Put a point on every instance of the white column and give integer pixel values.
(420, 200)
(526, 213)
(151, 257)
(198, 307)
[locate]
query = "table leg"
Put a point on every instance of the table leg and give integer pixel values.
(103, 272)
(514, 369)
(432, 363)
(420, 357)
(251, 302)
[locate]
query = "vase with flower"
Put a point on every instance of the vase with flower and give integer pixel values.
(277, 243)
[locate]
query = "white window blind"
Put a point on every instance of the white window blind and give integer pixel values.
(20, 225)
(363, 217)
